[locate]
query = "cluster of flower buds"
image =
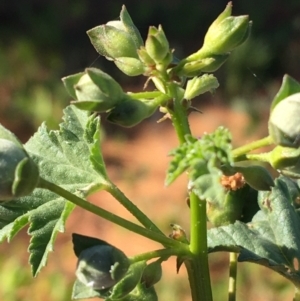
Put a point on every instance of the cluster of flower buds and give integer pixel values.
(19, 175)
(121, 42)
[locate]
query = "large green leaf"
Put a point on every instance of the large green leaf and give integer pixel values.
(272, 238)
(71, 157)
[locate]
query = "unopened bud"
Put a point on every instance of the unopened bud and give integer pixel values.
(284, 122)
(19, 175)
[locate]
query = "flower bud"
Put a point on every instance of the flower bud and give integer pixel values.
(226, 33)
(19, 175)
(101, 266)
(157, 45)
(118, 40)
(94, 90)
(200, 85)
(132, 111)
(284, 122)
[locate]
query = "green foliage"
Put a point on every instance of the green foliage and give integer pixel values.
(225, 186)
(59, 155)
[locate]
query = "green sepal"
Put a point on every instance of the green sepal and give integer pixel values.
(131, 279)
(26, 178)
(131, 111)
(284, 122)
(157, 45)
(256, 176)
(97, 91)
(70, 82)
(100, 265)
(152, 273)
(130, 66)
(19, 174)
(288, 87)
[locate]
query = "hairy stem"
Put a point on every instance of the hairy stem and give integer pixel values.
(232, 276)
(166, 241)
(240, 152)
(132, 208)
(161, 253)
(179, 115)
(198, 269)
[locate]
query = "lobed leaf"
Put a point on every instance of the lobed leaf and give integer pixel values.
(69, 156)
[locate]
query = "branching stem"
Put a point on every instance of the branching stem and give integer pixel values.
(166, 241)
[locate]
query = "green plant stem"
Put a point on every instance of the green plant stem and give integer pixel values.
(166, 241)
(179, 115)
(239, 153)
(197, 266)
(161, 253)
(232, 276)
(132, 208)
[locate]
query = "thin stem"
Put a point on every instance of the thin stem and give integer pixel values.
(240, 152)
(232, 276)
(147, 94)
(198, 269)
(132, 208)
(166, 241)
(161, 253)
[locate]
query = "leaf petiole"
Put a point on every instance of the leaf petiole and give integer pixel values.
(166, 241)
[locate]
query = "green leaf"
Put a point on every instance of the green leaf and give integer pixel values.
(66, 156)
(272, 238)
(203, 158)
(288, 87)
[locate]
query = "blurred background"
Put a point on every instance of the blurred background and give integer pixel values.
(45, 40)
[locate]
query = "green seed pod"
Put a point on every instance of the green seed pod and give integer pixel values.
(132, 111)
(19, 175)
(284, 122)
(101, 266)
